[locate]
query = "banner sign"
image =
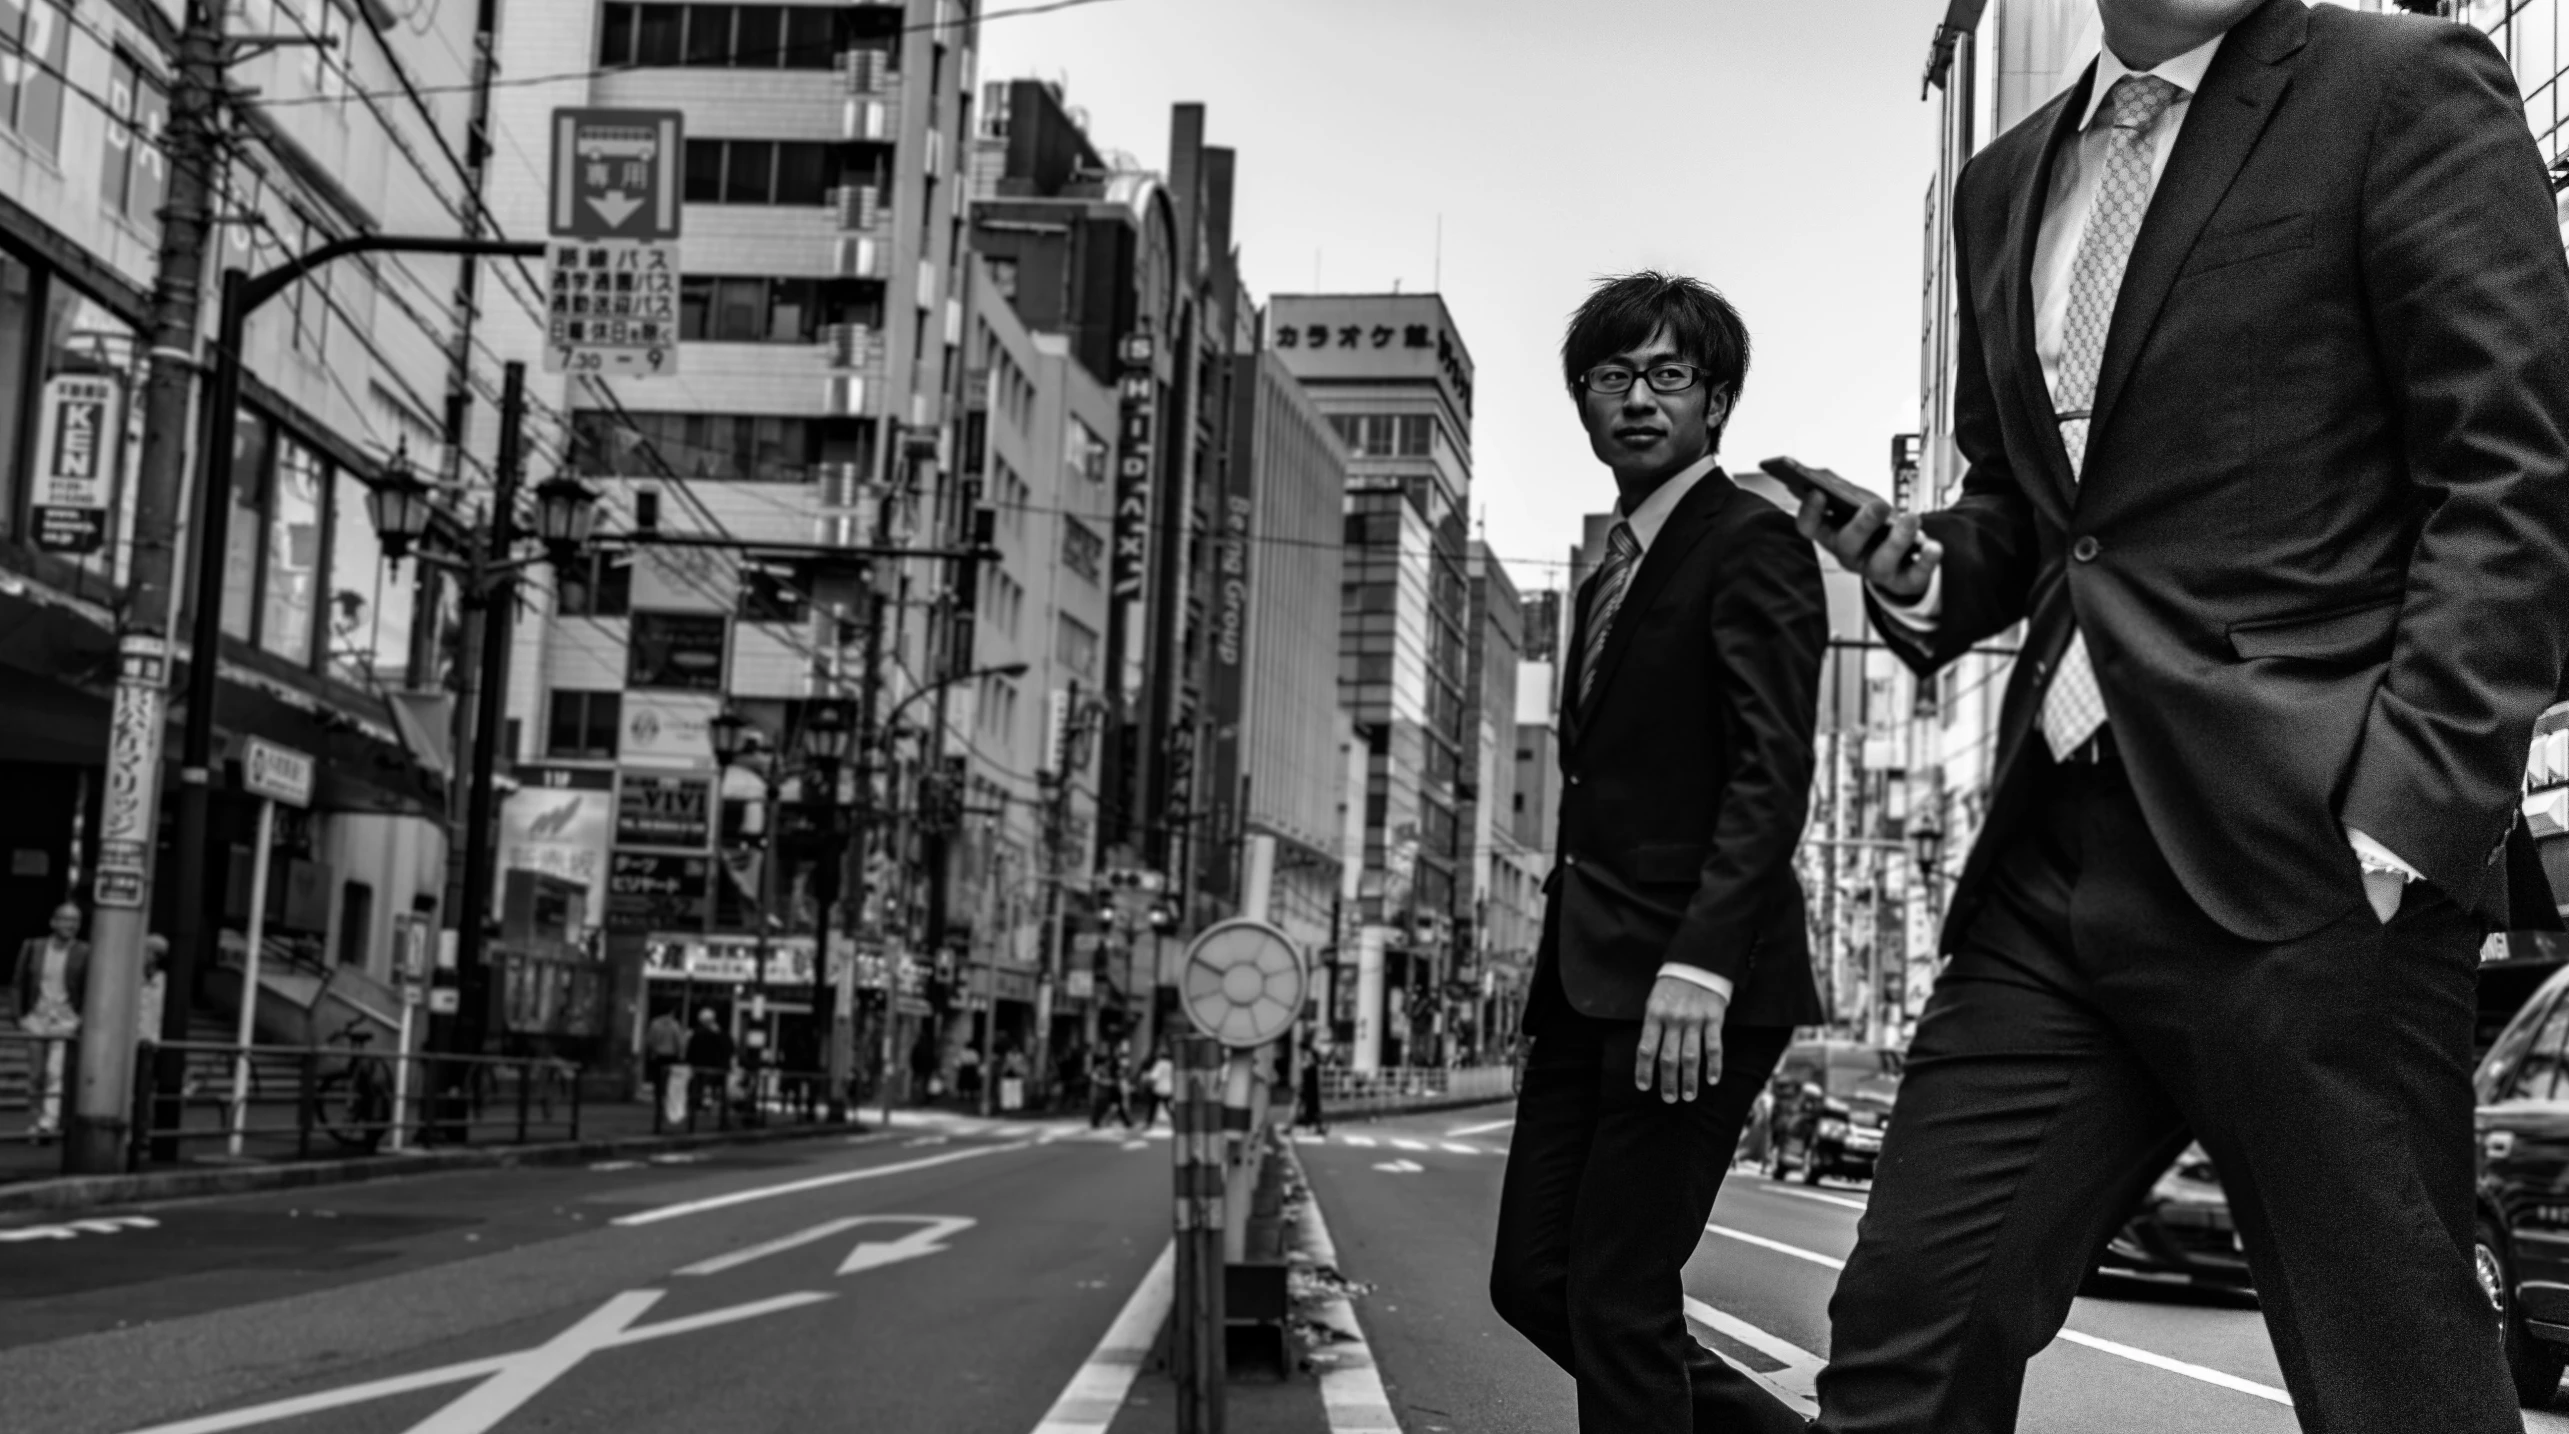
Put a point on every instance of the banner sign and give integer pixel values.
(1139, 416)
(75, 452)
(664, 812)
(133, 770)
(558, 823)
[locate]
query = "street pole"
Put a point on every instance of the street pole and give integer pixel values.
(757, 1027)
(102, 1098)
(493, 588)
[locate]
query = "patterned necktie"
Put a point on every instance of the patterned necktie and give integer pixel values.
(1623, 554)
(2074, 706)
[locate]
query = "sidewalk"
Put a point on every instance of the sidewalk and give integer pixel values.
(31, 1178)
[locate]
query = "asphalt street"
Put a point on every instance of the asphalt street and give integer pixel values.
(1412, 1203)
(927, 1281)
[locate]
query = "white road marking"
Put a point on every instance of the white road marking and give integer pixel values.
(2103, 1346)
(925, 1140)
(1351, 1389)
(1010, 1132)
(2178, 1366)
(816, 1182)
(1842, 1201)
(1307, 1138)
(1484, 1128)
(608, 1166)
(1797, 1383)
(1400, 1167)
(1089, 1402)
(1409, 1145)
(627, 1306)
(1361, 1142)
(74, 1229)
(868, 1254)
(1135, 1145)
(1451, 1148)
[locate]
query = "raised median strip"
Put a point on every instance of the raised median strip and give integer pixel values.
(83, 1192)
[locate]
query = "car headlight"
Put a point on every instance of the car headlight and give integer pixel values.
(1833, 1129)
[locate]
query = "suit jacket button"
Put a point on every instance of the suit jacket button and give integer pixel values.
(1574, 779)
(1569, 861)
(2085, 549)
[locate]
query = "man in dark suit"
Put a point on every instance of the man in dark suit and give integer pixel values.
(2263, 391)
(1674, 962)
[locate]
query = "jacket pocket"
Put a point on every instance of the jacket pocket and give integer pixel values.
(2223, 248)
(2347, 635)
(1668, 863)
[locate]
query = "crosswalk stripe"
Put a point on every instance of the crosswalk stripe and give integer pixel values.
(1797, 1383)
(1362, 1142)
(1409, 1145)
(1453, 1149)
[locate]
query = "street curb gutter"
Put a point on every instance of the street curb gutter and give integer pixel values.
(81, 1192)
(1351, 1388)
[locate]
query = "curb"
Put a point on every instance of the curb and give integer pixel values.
(80, 1192)
(1354, 1114)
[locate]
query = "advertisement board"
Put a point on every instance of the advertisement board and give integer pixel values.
(559, 822)
(655, 811)
(657, 891)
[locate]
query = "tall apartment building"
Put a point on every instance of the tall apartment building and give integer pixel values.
(319, 632)
(1495, 947)
(814, 408)
(1394, 376)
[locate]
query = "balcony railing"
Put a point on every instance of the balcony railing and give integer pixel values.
(859, 207)
(853, 346)
(867, 71)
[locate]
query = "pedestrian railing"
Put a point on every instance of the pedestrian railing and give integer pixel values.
(1346, 1092)
(299, 1102)
(36, 1076)
(690, 1099)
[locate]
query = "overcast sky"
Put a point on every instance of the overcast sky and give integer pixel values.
(1778, 150)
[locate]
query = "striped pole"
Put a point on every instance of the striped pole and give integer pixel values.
(1198, 1150)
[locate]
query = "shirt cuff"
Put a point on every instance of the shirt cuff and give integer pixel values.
(1718, 985)
(2373, 856)
(1919, 615)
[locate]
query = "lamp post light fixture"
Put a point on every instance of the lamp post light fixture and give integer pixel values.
(399, 505)
(566, 512)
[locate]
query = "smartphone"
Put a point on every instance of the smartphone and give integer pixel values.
(1845, 499)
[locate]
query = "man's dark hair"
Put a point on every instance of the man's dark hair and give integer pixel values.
(1627, 310)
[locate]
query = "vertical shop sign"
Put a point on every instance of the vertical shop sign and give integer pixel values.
(75, 451)
(1138, 409)
(133, 771)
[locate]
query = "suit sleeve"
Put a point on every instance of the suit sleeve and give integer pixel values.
(2470, 302)
(1770, 627)
(1988, 534)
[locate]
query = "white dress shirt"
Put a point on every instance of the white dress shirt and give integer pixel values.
(1645, 522)
(2076, 174)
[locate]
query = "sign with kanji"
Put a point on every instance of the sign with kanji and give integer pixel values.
(611, 307)
(75, 451)
(615, 173)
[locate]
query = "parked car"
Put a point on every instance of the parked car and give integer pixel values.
(2182, 1228)
(1832, 1102)
(2522, 1251)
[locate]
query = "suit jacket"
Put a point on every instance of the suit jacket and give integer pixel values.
(2320, 551)
(31, 956)
(1687, 770)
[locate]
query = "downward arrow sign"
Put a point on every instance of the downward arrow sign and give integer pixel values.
(614, 206)
(868, 1254)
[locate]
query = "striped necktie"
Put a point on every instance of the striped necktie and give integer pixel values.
(2074, 705)
(1623, 555)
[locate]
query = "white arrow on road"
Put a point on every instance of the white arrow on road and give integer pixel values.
(928, 1239)
(614, 206)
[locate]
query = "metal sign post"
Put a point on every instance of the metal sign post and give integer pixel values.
(273, 774)
(1197, 1329)
(611, 287)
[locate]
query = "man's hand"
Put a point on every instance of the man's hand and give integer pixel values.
(1900, 565)
(1681, 1039)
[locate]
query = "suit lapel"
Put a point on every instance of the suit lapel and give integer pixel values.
(2222, 124)
(2051, 487)
(1677, 537)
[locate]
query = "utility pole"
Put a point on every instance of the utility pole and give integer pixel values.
(102, 1102)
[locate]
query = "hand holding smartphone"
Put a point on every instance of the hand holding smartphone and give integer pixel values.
(1844, 503)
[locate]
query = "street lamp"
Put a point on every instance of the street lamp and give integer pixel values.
(399, 505)
(566, 511)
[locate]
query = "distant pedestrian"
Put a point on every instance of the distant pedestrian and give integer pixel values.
(664, 1044)
(923, 1068)
(1306, 1113)
(1157, 1086)
(1107, 1078)
(709, 1055)
(967, 1073)
(52, 974)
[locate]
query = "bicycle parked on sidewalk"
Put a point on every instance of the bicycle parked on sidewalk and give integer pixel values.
(353, 1100)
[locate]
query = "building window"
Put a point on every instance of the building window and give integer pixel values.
(1083, 551)
(682, 650)
(1386, 435)
(597, 585)
(136, 173)
(372, 606)
(583, 725)
(1087, 452)
(761, 171)
(772, 594)
(35, 44)
(732, 447)
(753, 310)
(291, 575)
(1076, 647)
(750, 37)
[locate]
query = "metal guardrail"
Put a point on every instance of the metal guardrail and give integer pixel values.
(1346, 1092)
(343, 1098)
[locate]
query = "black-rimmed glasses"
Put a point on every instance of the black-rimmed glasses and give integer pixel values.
(1614, 378)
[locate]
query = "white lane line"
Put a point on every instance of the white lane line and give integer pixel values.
(2103, 1346)
(1484, 1128)
(1409, 1145)
(1797, 1383)
(1450, 1148)
(2178, 1366)
(816, 1182)
(1089, 1402)
(1351, 1389)
(1400, 1167)
(1841, 1201)
(1361, 1142)
(1135, 1145)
